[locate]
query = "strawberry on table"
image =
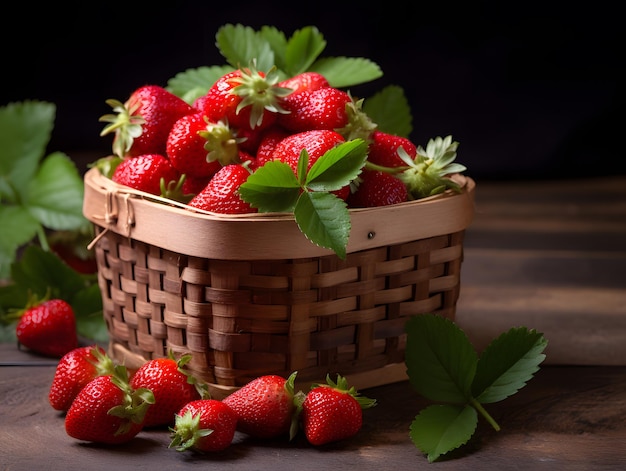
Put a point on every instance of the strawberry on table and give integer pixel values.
(221, 195)
(265, 406)
(141, 124)
(152, 173)
(333, 412)
(171, 383)
(108, 410)
(47, 327)
(204, 425)
(75, 369)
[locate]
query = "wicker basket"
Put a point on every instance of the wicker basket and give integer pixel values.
(249, 295)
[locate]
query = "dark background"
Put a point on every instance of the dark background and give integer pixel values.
(529, 89)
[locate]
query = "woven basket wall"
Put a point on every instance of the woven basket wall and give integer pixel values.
(249, 296)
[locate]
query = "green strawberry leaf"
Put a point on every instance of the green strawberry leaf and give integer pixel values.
(439, 429)
(55, 195)
(272, 188)
(507, 364)
(303, 47)
(278, 42)
(240, 45)
(440, 359)
(342, 72)
(324, 219)
(338, 167)
(18, 228)
(25, 130)
(390, 109)
(194, 83)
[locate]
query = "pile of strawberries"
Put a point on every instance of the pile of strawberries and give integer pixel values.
(102, 404)
(200, 154)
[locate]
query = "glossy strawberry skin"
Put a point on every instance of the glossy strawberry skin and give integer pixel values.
(316, 142)
(377, 188)
(324, 108)
(305, 81)
(160, 109)
(170, 388)
(267, 143)
(75, 369)
(329, 415)
(264, 407)
(383, 149)
(213, 415)
(88, 419)
(145, 172)
(186, 150)
(48, 328)
(221, 194)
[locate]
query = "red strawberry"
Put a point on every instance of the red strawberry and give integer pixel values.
(48, 328)
(204, 425)
(152, 173)
(198, 148)
(268, 141)
(75, 369)
(107, 410)
(324, 108)
(306, 81)
(383, 149)
(245, 98)
(221, 193)
(172, 385)
(142, 124)
(377, 188)
(316, 142)
(332, 412)
(265, 406)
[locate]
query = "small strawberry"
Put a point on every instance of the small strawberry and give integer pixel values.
(265, 406)
(383, 149)
(172, 385)
(107, 410)
(324, 108)
(305, 81)
(245, 98)
(142, 124)
(198, 148)
(376, 188)
(204, 425)
(221, 194)
(75, 369)
(152, 173)
(333, 412)
(48, 327)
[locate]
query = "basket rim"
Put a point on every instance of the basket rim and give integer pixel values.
(179, 228)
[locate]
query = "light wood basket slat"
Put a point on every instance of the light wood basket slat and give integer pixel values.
(249, 296)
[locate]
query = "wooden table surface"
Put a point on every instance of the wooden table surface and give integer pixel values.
(549, 255)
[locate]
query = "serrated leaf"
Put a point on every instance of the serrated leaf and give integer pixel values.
(278, 42)
(271, 188)
(240, 45)
(25, 130)
(507, 364)
(55, 194)
(440, 359)
(325, 220)
(303, 47)
(194, 83)
(390, 110)
(338, 166)
(18, 228)
(439, 429)
(342, 72)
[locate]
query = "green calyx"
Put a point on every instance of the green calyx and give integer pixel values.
(343, 386)
(221, 144)
(103, 363)
(259, 92)
(135, 402)
(202, 388)
(126, 125)
(429, 173)
(186, 431)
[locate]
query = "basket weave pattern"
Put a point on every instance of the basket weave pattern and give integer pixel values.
(241, 319)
